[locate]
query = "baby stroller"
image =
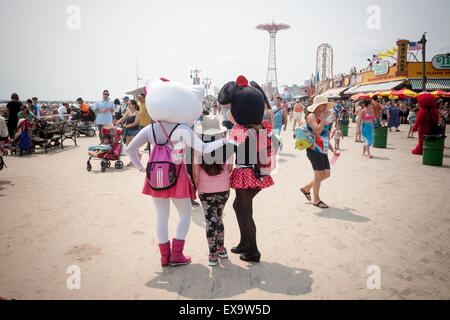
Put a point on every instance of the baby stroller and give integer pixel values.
(107, 153)
(86, 124)
(21, 143)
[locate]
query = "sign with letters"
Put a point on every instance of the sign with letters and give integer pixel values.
(380, 68)
(441, 62)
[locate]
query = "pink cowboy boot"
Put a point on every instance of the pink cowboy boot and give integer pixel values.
(177, 258)
(165, 253)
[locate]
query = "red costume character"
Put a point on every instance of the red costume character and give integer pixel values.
(428, 112)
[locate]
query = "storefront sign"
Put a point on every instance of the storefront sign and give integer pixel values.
(402, 62)
(415, 71)
(381, 68)
(441, 62)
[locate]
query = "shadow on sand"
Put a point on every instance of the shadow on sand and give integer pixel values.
(380, 158)
(341, 214)
(196, 281)
(3, 183)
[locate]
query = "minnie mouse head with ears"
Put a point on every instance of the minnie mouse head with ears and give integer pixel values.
(173, 102)
(247, 101)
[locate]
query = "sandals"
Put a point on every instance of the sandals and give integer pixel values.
(307, 194)
(321, 205)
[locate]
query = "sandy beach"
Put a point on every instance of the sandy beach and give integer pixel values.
(390, 211)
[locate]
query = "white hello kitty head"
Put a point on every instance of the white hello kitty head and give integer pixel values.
(173, 102)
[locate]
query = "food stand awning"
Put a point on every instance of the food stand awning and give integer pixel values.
(334, 93)
(431, 85)
(374, 87)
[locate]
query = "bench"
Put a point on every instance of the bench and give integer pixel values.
(49, 136)
(70, 131)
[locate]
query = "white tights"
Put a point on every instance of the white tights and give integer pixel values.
(162, 221)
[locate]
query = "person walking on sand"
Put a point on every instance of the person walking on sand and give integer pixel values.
(358, 109)
(12, 109)
(104, 113)
(279, 116)
(338, 135)
(298, 111)
(268, 115)
(393, 117)
(131, 125)
(412, 120)
(367, 127)
(318, 119)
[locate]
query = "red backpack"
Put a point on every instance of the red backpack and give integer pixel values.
(267, 146)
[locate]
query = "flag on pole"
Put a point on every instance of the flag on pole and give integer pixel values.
(415, 46)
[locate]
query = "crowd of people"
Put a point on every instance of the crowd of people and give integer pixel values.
(241, 112)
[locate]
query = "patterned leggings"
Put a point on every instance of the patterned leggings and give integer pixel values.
(213, 205)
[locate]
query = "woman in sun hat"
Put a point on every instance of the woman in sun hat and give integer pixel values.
(212, 178)
(318, 119)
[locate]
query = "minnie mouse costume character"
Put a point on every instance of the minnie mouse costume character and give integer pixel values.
(175, 108)
(248, 179)
(427, 119)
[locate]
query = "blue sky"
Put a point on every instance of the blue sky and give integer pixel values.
(42, 57)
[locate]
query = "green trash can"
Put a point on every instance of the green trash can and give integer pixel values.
(344, 129)
(433, 150)
(380, 135)
(353, 118)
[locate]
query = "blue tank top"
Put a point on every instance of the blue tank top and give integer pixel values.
(278, 117)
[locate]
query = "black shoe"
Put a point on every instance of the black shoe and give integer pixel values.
(195, 203)
(250, 257)
(239, 249)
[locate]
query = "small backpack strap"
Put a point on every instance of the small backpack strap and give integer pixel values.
(168, 136)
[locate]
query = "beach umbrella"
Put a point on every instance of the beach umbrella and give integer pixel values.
(360, 96)
(440, 93)
(404, 93)
(356, 96)
(384, 93)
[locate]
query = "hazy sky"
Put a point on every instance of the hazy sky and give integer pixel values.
(41, 56)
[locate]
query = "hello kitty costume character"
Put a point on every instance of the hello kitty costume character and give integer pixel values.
(174, 107)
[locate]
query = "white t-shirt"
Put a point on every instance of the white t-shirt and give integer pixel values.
(3, 128)
(62, 110)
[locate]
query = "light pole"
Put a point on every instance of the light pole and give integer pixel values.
(423, 41)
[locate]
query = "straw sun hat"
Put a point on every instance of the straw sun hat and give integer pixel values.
(210, 126)
(318, 101)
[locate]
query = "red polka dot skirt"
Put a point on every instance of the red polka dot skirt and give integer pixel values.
(244, 178)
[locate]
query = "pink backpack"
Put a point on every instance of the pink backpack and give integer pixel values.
(162, 173)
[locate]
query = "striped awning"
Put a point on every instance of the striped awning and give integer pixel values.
(350, 91)
(432, 84)
(374, 87)
(334, 93)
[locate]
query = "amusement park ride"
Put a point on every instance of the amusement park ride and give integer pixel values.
(271, 85)
(324, 62)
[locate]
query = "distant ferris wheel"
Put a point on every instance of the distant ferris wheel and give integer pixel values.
(324, 62)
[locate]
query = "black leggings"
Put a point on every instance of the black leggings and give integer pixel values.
(243, 206)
